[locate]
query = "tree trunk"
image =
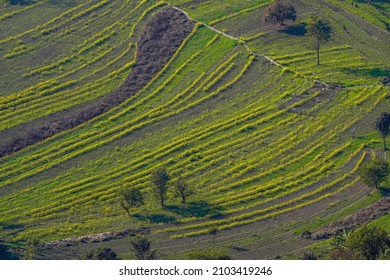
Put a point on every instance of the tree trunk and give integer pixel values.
(125, 208)
(183, 199)
(128, 212)
(318, 56)
(384, 144)
(162, 200)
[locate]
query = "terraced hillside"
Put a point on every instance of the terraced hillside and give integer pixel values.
(269, 141)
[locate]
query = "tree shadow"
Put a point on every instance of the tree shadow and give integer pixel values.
(298, 30)
(155, 218)
(384, 191)
(374, 72)
(21, 2)
(239, 249)
(6, 253)
(197, 209)
(6, 226)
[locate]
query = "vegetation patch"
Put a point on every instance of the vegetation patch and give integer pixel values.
(227, 133)
(159, 41)
(353, 221)
(95, 238)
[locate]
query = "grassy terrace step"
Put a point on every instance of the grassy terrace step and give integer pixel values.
(374, 13)
(276, 42)
(213, 12)
(198, 101)
(123, 128)
(68, 17)
(10, 10)
(258, 143)
(50, 53)
(17, 105)
(254, 215)
(82, 50)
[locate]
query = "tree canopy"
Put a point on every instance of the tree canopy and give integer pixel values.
(143, 249)
(101, 254)
(374, 172)
(130, 198)
(33, 249)
(279, 12)
(369, 242)
(160, 178)
(183, 189)
(320, 32)
(209, 254)
(383, 126)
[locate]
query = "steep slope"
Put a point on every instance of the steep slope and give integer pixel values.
(159, 41)
(267, 149)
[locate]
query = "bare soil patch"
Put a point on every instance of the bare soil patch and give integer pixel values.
(96, 238)
(160, 39)
(352, 222)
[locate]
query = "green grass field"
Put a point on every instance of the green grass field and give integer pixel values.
(268, 150)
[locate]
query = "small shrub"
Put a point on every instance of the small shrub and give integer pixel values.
(143, 249)
(374, 172)
(306, 234)
(309, 255)
(101, 254)
(208, 254)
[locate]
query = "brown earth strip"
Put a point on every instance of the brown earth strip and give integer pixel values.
(95, 238)
(160, 39)
(354, 221)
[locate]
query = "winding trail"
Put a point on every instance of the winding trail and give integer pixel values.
(231, 37)
(240, 41)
